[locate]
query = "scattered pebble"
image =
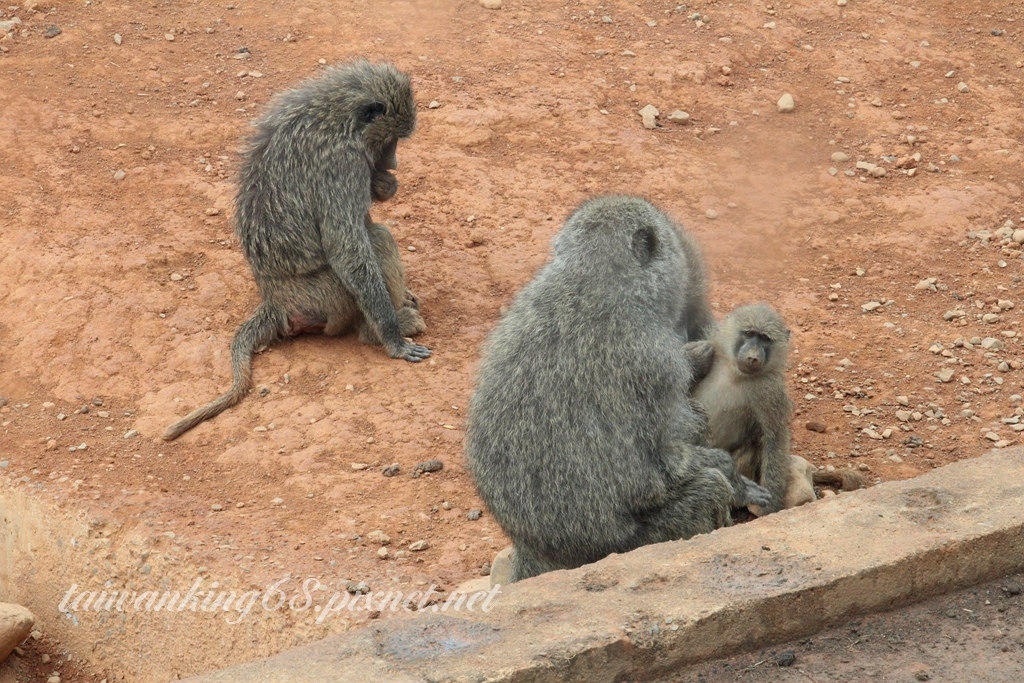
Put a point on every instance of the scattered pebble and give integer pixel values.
(382, 553)
(119, 175)
(816, 426)
(786, 103)
(649, 115)
(490, 4)
(359, 466)
(945, 376)
(711, 213)
(418, 546)
(52, 31)
(391, 470)
(787, 658)
(379, 537)
(216, 507)
(963, 87)
(169, 37)
(428, 466)
(117, 39)
(131, 433)
(840, 157)
(870, 306)
(473, 515)
(680, 116)
(434, 104)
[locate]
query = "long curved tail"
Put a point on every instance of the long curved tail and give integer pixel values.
(846, 480)
(262, 328)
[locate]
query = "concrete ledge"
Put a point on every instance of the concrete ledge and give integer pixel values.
(649, 612)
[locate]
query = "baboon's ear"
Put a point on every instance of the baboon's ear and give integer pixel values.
(371, 111)
(645, 245)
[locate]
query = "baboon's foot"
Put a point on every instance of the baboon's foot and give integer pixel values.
(410, 323)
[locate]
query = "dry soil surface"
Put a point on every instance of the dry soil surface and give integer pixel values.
(121, 281)
(973, 635)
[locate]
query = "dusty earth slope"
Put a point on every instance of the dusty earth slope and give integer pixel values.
(121, 282)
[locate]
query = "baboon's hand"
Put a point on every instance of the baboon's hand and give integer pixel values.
(383, 186)
(412, 301)
(409, 351)
(701, 355)
(749, 493)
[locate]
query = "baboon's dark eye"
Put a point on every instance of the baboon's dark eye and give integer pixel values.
(372, 111)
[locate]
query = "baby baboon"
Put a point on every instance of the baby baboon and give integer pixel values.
(321, 154)
(745, 398)
(581, 437)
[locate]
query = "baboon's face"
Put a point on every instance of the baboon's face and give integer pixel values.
(752, 352)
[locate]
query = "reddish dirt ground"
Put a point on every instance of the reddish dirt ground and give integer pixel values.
(126, 292)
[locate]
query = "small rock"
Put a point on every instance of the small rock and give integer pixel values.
(1012, 589)
(169, 37)
(277, 501)
(131, 433)
(382, 553)
(418, 546)
(9, 25)
(991, 343)
(711, 213)
(963, 87)
(870, 306)
(501, 567)
(490, 4)
(391, 470)
(357, 587)
(649, 115)
(903, 400)
(786, 103)
(378, 536)
(428, 466)
(840, 157)
(990, 318)
(434, 104)
(16, 623)
(359, 466)
(815, 426)
(895, 458)
(473, 515)
(216, 507)
(117, 39)
(945, 376)
(787, 658)
(52, 31)
(119, 175)
(680, 116)
(903, 415)
(923, 676)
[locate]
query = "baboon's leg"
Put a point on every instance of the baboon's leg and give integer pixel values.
(699, 506)
(409, 321)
